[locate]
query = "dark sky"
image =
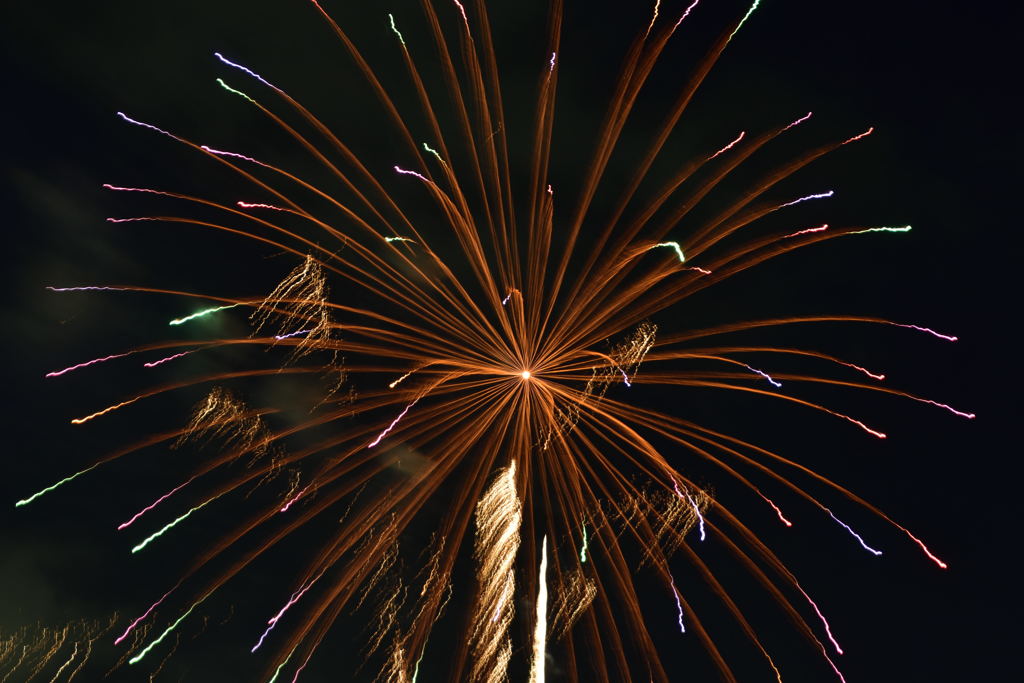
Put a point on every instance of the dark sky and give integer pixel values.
(936, 79)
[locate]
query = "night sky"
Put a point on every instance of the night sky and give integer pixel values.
(938, 82)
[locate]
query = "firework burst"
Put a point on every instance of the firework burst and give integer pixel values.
(489, 362)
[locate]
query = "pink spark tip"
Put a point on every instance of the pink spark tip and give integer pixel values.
(401, 170)
(131, 220)
(729, 146)
(147, 125)
(799, 120)
(807, 231)
(778, 511)
(685, 14)
(58, 373)
(155, 363)
(551, 66)
(463, 10)
(135, 623)
(862, 135)
(928, 330)
(159, 500)
(250, 205)
(392, 425)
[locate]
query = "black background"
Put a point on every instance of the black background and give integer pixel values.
(938, 80)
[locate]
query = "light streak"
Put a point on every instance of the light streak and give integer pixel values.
(398, 239)
(131, 220)
(401, 170)
(58, 373)
(463, 10)
(137, 658)
(866, 133)
(823, 195)
(869, 430)
(434, 152)
(926, 329)
(26, 501)
(744, 19)
(395, 29)
(685, 14)
(729, 146)
(66, 664)
(90, 289)
(147, 125)
(799, 121)
(583, 548)
(860, 540)
(279, 337)
(540, 631)
(295, 498)
(236, 155)
(200, 314)
(108, 186)
(397, 381)
(765, 375)
(775, 507)
(248, 71)
(969, 416)
(551, 65)
(679, 604)
(942, 565)
(117, 641)
(654, 17)
(550, 191)
(828, 629)
(702, 271)
(674, 245)
(251, 205)
(393, 423)
(81, 420)
(903, 228)
(291, 601)
(821, 228)
(159, 500)
(155, 363)
(700, 517)
(277, 671)
(171, 525)
(867, 372)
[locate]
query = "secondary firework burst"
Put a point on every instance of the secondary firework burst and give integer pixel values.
(497, 378)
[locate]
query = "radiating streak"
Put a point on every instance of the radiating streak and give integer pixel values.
(137, 658)
(540, 631)
(674, 245)
(855, 535)
(866, 133)
(236, 155)
(822, 195)
(686, 13)
(679, 604)
(252, 205)
(400, 379)
(434, 152)
(821, 228)
(942, 565)
(393, 423)
(171, 525)
(66, 664)
(696, 510)
(551, 65)
(401, 170)
(90, 289)
(729, 146)
(277, 671)
(248, 71)
(904, 228)
(131, 626)
(399, 239)
(81, 420)
(926, 329)
(394, 28)
(463, 10)
(969, 416)
(58, 373)
(775, 507)
(296, 596)
(155, 363)
(295, 498)
(279, 337)
(583, 548)
(654, 17)
(763, 374)
(828, 629)
(26, 501)
(147, 125)
(799, 121)
(159, 500)
(200, 314)
(744, 19)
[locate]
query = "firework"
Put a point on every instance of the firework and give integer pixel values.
(505, 365)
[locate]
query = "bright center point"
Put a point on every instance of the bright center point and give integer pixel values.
(525, 374)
